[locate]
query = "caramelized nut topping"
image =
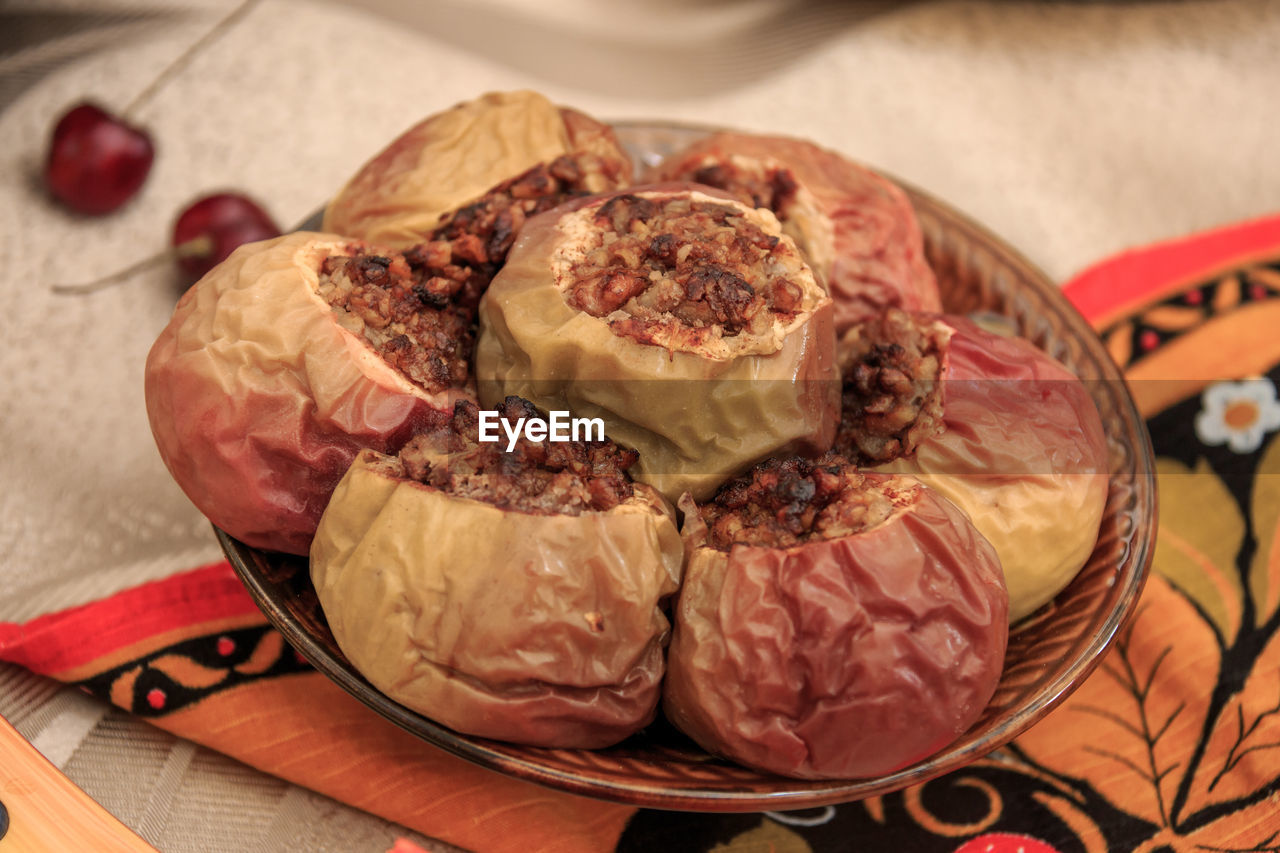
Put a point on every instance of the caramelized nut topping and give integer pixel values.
(539, 477)
(417, 309)
(412, 313)
(786, 502)
(700, 265)
(482, 232)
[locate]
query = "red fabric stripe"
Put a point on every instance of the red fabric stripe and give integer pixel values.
(60, 641)
(1128, 276)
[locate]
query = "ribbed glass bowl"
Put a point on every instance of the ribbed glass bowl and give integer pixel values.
(1049, 653)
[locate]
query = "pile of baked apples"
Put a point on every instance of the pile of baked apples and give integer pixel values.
(569, 446)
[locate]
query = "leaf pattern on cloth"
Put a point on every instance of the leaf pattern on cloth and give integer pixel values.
(1186, 705)
(1201, 531)
(1264, 573)
(1128, 729)
(768, 837)
(1243, 750)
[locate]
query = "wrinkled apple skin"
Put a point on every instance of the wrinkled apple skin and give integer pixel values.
(259, 400)
(845, 658)
(695, 420)
(857, 228)
(540, 629)
(1023, 453)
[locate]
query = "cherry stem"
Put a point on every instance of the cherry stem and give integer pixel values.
(189, 54)
(202, 245)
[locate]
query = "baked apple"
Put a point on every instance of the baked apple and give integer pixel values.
(289, 357)
(479, 169)
(992, 422)
(857, 229)
(507, 594)
(687, 321)
(832, 624)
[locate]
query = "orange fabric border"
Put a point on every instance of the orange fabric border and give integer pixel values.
(305, 729)
(1116, 286)
(70, 640)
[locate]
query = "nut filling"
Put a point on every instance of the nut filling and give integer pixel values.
(768, 184)
(418, 309)
(786, 502)
(680, 272)
(481, 234)
(537, 477)
(891, 398)
(410, 308)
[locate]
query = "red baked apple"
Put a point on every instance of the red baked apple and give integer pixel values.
(832, 624)
(993, 423)
(288, 358)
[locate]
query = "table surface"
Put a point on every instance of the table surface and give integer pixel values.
(1073, 129)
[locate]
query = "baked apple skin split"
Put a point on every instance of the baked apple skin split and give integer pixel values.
(684, 320)
(995, 424)
(832, 624)
(516, 596)
(260, 392)
(499, 157)
(857, 228)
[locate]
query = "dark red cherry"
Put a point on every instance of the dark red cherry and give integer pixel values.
(205, 233)
(213, 226)
(96, 161)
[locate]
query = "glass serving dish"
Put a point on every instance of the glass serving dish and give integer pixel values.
(1050, 652)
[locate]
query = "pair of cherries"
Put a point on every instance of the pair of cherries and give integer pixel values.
(97, 162)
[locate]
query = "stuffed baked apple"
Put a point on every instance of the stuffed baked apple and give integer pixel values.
(512, 595)
(856, 228)
(687, 321)
(289, 357)
(993, 423)
(478, 169)
(832, 624)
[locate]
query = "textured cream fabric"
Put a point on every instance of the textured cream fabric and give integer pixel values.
(1073, 129)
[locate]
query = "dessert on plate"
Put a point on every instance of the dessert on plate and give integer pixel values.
(806, 505)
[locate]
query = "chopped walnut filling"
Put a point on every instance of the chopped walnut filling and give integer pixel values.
(769, 184)
(700, 266)
(417, 309)
(481, 234)
(539, 477)
(409, 314)
(892, 394)
(786, 502)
